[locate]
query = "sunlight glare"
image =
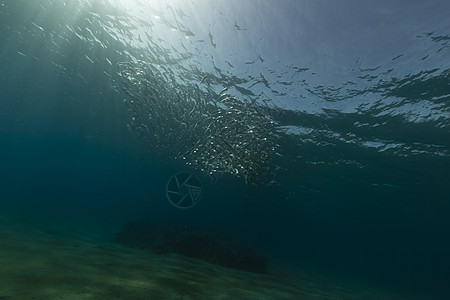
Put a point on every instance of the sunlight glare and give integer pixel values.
(131, 5)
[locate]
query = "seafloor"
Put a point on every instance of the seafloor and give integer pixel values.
(38, 261)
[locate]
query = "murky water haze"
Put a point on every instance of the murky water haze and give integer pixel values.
(358, 93)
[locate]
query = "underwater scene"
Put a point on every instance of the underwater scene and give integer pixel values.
(222, 150)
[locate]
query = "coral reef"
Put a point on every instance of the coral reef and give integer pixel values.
(214, 247)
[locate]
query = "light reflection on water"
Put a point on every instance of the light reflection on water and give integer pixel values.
(354, 75)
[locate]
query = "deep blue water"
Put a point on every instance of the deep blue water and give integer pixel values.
(359, 92)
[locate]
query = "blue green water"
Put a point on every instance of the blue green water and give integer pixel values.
(359, 93)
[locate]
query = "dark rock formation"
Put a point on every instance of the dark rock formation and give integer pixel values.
(213, 247)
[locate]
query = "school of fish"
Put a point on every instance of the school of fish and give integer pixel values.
(212, 132)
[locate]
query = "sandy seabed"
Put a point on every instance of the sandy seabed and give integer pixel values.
(38, 263)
